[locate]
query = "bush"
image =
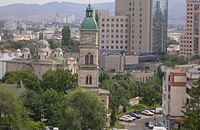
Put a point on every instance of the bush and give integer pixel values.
(137, 108)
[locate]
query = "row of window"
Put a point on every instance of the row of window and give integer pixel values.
(114, 47)
(113, 20)
(114, 36)
(132, 3)
(88, 80)
(114, 41)
(186, 37)
(186, 45)
(117, 31)
(89, 59)
(113, 25)
(186, 50)
(133, 9)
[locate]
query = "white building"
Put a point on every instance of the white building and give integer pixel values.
(173, 49)
(3, 57)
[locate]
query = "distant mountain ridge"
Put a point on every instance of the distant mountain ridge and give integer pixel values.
(48, 11)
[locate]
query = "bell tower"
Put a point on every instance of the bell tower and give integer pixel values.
(88, 74)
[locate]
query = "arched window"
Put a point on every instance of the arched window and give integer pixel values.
(89, 59)
(88, 80)
(86, 59)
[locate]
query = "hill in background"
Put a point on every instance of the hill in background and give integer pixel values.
(48, 11)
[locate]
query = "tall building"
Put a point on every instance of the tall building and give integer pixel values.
(88, 73)
(160, 24)
(190, 43)
(139, 26)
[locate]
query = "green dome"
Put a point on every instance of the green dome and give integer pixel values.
(89, 23)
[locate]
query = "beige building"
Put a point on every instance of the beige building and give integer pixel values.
(116, 63)
(130, 28)
(45, 59)
(141, 76)
(114, 31)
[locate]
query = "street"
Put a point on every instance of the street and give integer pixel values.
(140, 123)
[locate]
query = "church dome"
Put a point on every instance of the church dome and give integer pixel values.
(42, 44)
(89, 23)
(26, 49)
(58, 50)
(41, 50)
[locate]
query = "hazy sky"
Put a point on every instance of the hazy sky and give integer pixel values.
(7, 2)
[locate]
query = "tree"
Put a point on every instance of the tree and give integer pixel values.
(53, 44)
(172, 42)
(52, 104)
(172, 60)
(27, 77)
(113, 118)
(13, 113)
(84, 111)
(34, 102)
(66, 33)
(71, 120)
(59, 80)
(192, 109)
(103, 77)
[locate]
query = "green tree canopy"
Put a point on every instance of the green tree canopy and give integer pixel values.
(52, 106)
(59, 80)
(13, 113)
(34, 102)
(83, 111)
(172, 60)
(27, 77)
(66, 33)
(192, 108)
(122, 88)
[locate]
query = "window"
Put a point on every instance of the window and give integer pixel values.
(89, 59)
(88, 80)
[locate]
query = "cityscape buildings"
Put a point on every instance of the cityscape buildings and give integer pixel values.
(190, 44)
(139, 26)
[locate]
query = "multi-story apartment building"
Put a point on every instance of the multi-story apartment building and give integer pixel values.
(138, 26)
(190, 43)
(174, 95)
(177, 83)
